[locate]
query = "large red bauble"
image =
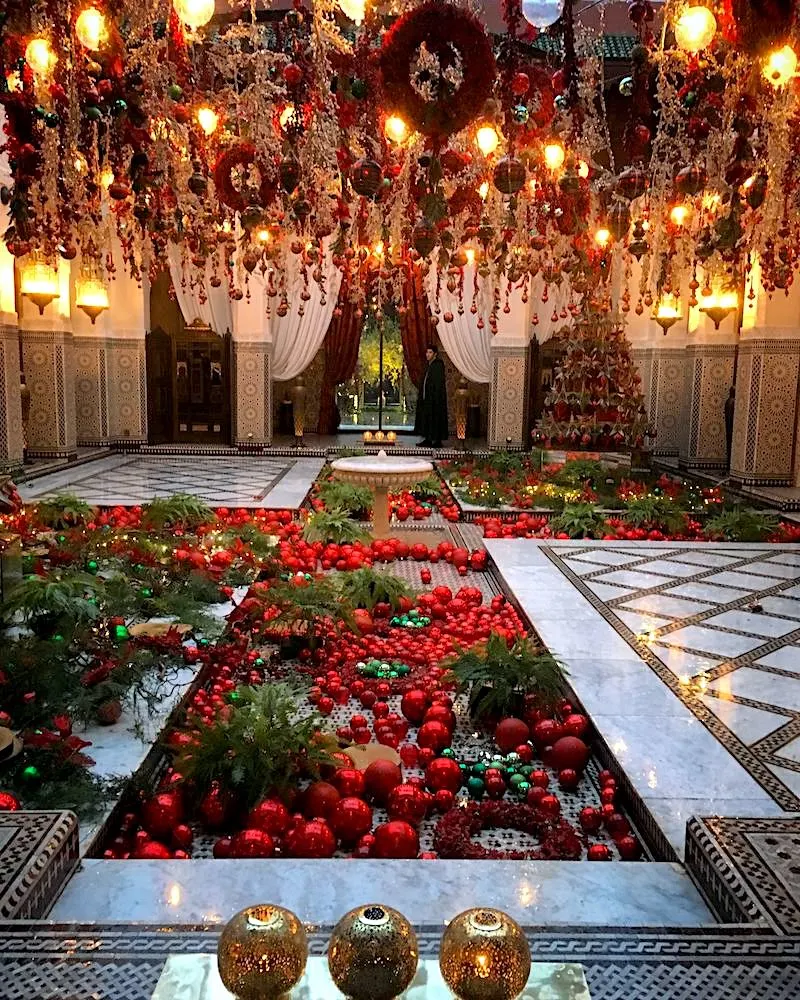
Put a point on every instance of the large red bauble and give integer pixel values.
(271, 816)
(151, 850)
(8, 802)
(444, 800)
(441, 713)
(575, 724)
(395, 839)
(434, 736)
(407, 802)
(569, 752)
(441, 773)
(549, 805)
(539, 778)
(319, 799)
(222, 848)
(546, 732)
(315, 839)
(162, 814)
(216, 806)
(629, 848)
(599, 852)
(510, 733)
(252, 844)
(350, 819)
(617, 826)
(413, 705)
(380, 778)
(591, 819)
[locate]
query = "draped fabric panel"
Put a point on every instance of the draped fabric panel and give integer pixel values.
(467, 346)
(341, 356)
(295, 338)
(417, 328)
(192, 298)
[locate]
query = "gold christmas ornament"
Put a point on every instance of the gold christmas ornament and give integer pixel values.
(262, 952)
(373, 953)
(484, 956)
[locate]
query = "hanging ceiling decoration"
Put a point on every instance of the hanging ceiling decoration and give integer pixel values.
(394, 139)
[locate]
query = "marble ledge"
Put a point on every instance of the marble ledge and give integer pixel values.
(613, 894)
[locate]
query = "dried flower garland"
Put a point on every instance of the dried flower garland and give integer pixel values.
(454, 836)
(452, 37)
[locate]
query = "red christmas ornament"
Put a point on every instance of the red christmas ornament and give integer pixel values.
(222, 848)
(443, 773)
(568, 779)
(590, 819)
(151, 850)
(252, 844)
(629, 848)
(569, 751)
(599, 852)
(396, 839)
(434, 736)
(443, 800)
(413, 705)
(525, 752)
(216, 806)
(510, 733)
(162, 814)
(407, 802)
(182, 836)
(314, 839)
(319, 800)
(520, 84)
(8, 802)
(380, 778)
(443, 714)
(540, 779)
(350, 819)
(271, 816)
(608, 794)
(546, 732)
(575, 724)
(292, 74)
(549, 805)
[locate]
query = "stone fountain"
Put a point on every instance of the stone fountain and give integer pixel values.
(381, 473)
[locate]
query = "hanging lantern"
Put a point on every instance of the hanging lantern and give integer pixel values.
(354, 9)
(719, 305)
(423, 237)
(695, 29)
(289, 173)
(619, 220)
(780, 67)
(632, 183)
(366, 176)
(207, 119)
(194, 13)
(91, 294)
(691, 180)
(395, 129)
(487, 139)
(40, 57)
(39, 281)
(509, 175)
(91, 29)
(554, 156)
(667, 312)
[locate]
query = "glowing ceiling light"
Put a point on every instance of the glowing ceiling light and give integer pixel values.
(208, 119)
(194, 13)
(602, 236)
(695, 29)
(679, 215)
(583, 169)
(780, 66)
(40, 57)
(667, 312)
(354, 9)
(91, 28)
(554, 156)
(487, 139)
(263, 235)
(395, 129)
(286, 115)
(483, 190)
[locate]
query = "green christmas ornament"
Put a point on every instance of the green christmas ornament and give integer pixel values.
(62, 539)
(476, 787)
(91, 566)
(121, 632)
(119, 107)
(479, 768)
(174, 92)
(523, 788)
(31, 774)
(258, 661)
(448, 752)
(58, 637)
(520, 114)
(203, 642)
(358, 89)
(515, 780)
(94, 114)
(52, 120)
(146, 591)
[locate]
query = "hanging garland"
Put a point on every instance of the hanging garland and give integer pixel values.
(455, 833)
(457, 41)
(241, 156)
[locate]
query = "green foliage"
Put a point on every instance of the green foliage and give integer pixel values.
(62, 784)
(506, 462)
(355, 500)
(742, 524)
(369, 352)
(62, 510)
(653, 511)
(262, 545)
(304, 608)
(261, 747)
(333, 526)
(428, 489)
(181, 510)
(496, 677)
(364, 588)
(57, 603)
(580, 470)
(579, 520)
(350, 452)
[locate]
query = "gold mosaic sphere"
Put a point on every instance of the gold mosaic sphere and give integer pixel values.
(484, 956)
(262, 952)
(373, 953)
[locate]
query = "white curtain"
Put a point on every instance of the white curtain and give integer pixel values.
(192, 298)
(295, 338)
(467, 346)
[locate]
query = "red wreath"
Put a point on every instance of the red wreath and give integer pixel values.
(241, 155)
(454, 835)
(446, 31)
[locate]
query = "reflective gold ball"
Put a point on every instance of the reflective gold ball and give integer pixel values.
(484, 956)
(262, 952)
(373, 953)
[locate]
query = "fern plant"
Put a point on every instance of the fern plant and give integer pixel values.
(181, 510)
(48, 605)
(650, 511)
(364, 588)
(355, 500)
(333, 526)
(580, 470)
(63, 510)
(429, 488)
(742, 524)
(307, 608)
(579, 520)
(506, 462)
(496, 677)
(260, 747)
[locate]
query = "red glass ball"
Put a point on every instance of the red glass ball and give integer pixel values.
(443, 800)
(319, 799)
(271, 816)
(546, 732)
(8, 802)
(525, 752)
(151, 850)
(182, 836)
(549, 805)
(568, 779)
(222, 848)
(162, 814)
(407, 802)
(252, 844)
(443, 714)
(315, 839)
(350, 819)
(396, 839)
(608, 794)
(510, 733)
(443, 773)
(380, 778)
(413, 705)
(349, 781)
(590, 819)
(599, 852)
(569, 751)
(629, 848)
(575, 724)
(434, 736)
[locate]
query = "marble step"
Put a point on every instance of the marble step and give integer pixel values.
(578, 893)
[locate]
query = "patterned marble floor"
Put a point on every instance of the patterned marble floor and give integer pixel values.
(231, 480)
(687, 658)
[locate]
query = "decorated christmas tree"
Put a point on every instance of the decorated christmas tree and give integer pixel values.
(596, 400)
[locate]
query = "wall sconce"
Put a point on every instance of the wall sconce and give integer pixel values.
(718, 305)
(39, 281)
(91, 295)
(667, 312)
(299, 400)
(462, 396)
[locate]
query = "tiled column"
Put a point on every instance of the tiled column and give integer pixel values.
(508, 393)
(91, 390)
(127, 390)
(49, 364)
(252, 394)
(663, 383)
(11, 432)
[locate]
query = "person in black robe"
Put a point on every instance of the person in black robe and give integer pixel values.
(431, 420)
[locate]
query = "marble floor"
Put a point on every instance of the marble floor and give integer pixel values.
(687, 659)
(230, 480)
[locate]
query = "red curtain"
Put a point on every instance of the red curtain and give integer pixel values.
(417, 328)
(341, 355)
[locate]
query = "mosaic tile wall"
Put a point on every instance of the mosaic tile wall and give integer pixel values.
(708, 377)
(49, 363)
(11, 435)
(252, 386)
(508, 396)
(663, 376)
